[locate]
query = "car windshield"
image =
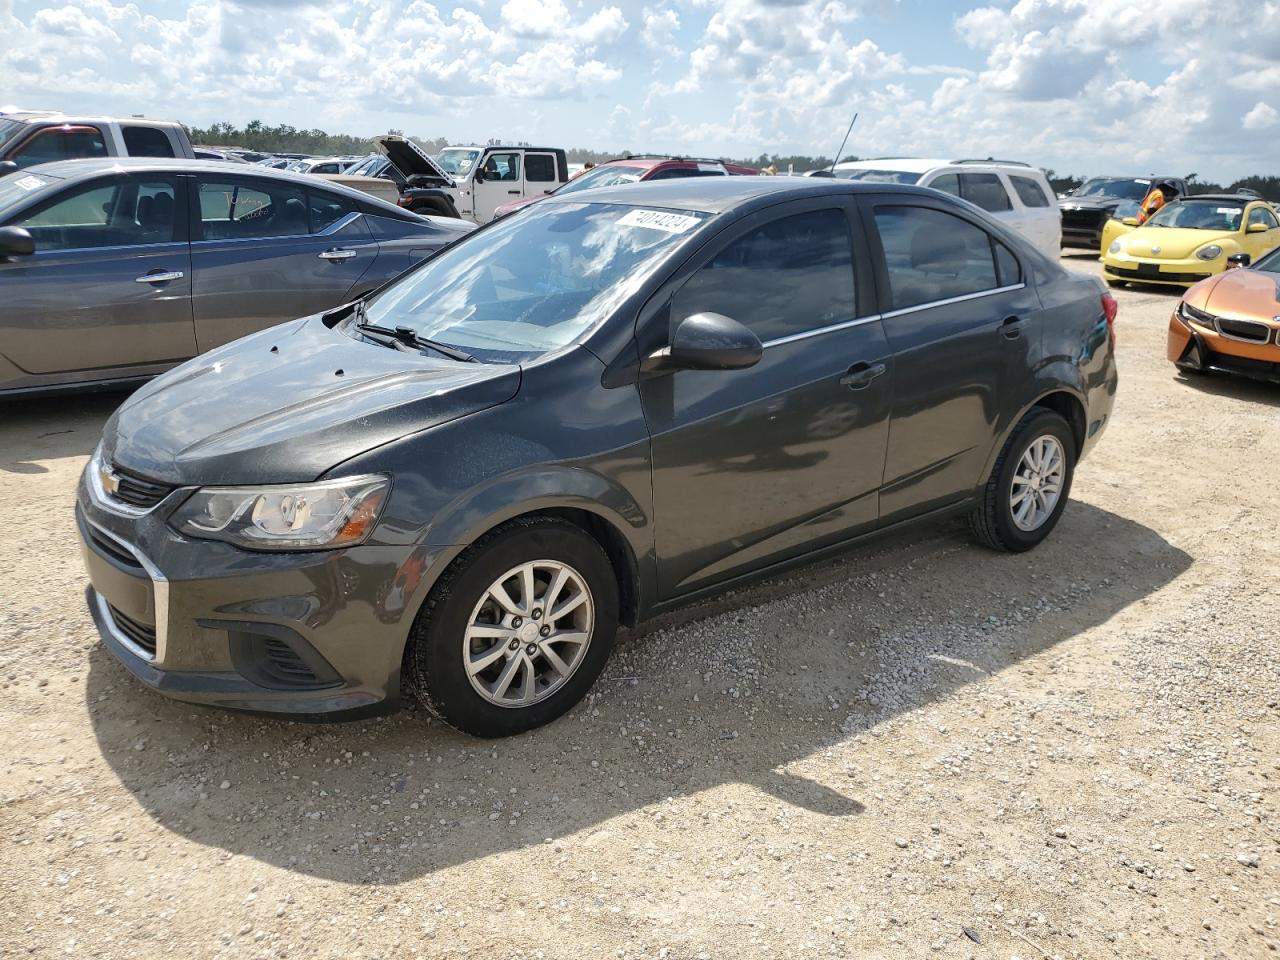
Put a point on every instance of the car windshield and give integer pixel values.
(1125, 189)
(1268, 264)
(879, 176)
(15, 189)
(1217, 215)
(1126, 208)
(9, 129)
(370, 166)
(528, 285)
(457, 161)
(603, 177)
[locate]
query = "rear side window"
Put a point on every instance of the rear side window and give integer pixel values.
(1030, 192)
(931, 255)
(539, 167)
(233, 210)
(986, 191)
(122, 213)
(61, 143)
(790, 276)
(328, 208)
(147, 142)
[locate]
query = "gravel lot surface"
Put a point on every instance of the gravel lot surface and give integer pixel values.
(1072, 753)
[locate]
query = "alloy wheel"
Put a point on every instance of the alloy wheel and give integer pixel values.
(1037, 483)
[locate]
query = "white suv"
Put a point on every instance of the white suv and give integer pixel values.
(1013, 192)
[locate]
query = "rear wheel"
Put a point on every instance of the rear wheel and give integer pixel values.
(1029, 484)
(517, 630)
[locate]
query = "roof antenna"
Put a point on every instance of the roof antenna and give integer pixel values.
(832, 171)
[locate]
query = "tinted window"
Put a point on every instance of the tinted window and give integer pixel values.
(986, 191)
(1029, 191)
(233, 210)
(947, 183)
(326, 168)
(675, 173)
(123, 213)
(931, 255)
(54, 143)
(539, 167)
(328, 208)
(147, 142)
(1264, 216)
(789, 276)
(1007, 264)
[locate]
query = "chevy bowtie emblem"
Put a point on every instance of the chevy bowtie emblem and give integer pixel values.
(110, 482)
(1155, 250)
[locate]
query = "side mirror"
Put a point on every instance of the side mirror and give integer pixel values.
(479, 177)
(1257, 228)
(1130, 221)
(15, 242)
(707, 341)
(1238, 260)
(7, 166)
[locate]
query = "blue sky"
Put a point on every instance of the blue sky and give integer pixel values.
(1086, 86)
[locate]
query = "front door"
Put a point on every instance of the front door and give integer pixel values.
(503, 176)
(108, 287)
(268, 251)
(963, 329)
(753, 466)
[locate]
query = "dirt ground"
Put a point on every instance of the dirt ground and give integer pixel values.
(1071, 753)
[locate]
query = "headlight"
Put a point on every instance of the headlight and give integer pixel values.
(303, 516)
(1190, 314)
(1211, 252)
(1115, 247)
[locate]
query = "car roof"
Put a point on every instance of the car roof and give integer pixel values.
(40, 116)
(925, 164)
(718, 194)
(68, 170)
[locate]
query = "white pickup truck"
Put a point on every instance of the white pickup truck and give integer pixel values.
(29, 138)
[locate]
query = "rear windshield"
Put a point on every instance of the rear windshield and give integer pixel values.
(527, 285)
(603, 177)
(1217, 215)
(879, 176)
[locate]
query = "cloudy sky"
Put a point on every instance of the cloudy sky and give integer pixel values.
(1084, 86)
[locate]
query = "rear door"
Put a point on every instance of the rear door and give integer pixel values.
(539, 174)
(269, 250)
(754, 466)
(1039, 212)
(964, 331)
(109, 286)
(503, 180)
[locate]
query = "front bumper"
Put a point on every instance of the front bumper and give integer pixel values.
(1183, 273)
(303, 634)
(1197, 348)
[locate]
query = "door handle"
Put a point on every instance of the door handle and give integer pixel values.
(514, 193)
(1011, 327)
(161, 277)
(861, 375)
(336, 254)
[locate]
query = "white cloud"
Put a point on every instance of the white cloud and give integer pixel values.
(659, 30)
(1262, 116)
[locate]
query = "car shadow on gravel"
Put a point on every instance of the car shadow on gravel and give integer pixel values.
(1235, 388)
(52, 427)
(772, 687)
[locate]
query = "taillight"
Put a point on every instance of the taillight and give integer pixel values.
(1109, 309)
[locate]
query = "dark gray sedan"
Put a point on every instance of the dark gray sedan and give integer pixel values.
(576, 418)
(115, 270)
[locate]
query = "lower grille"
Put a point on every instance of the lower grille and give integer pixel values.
(142, 634)
(138, 491)
(283, 661)
(1243, 366)
(1251, 331)
(1151, 271)
(113, 550)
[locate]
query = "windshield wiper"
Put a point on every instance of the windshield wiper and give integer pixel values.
(411, 337)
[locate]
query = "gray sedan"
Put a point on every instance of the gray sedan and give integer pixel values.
(115, 270)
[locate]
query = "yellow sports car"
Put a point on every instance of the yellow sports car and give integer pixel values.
(1191, 239)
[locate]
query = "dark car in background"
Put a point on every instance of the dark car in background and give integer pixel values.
(113, 271)
(635, 169)
(1087, 208)
(578, 417)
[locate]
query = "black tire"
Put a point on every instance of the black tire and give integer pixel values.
(1116, 284)
(434, 208)
(992, 521)
(433, 661)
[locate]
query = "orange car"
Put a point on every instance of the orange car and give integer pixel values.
(1230, 323)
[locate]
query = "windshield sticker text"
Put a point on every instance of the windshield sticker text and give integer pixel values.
(658, 220)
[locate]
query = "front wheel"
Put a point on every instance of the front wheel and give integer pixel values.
(516, 631)
(1029, 484)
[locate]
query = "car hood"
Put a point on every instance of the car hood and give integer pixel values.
(290, 403)
(1248, 294)
(1174, 243)
(409, 158)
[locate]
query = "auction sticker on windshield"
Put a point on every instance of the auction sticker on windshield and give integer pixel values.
(659, 220)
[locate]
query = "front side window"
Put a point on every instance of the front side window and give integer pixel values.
(502, 166)
(539, 167)
(790, 276)
(61, 143)
(120, 213)
(531, 284)
(147, 142)
(931, 255)
(1030, 192)
(1263, 216)
(234, 210)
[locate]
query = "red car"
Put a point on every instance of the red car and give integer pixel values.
(633, 170)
